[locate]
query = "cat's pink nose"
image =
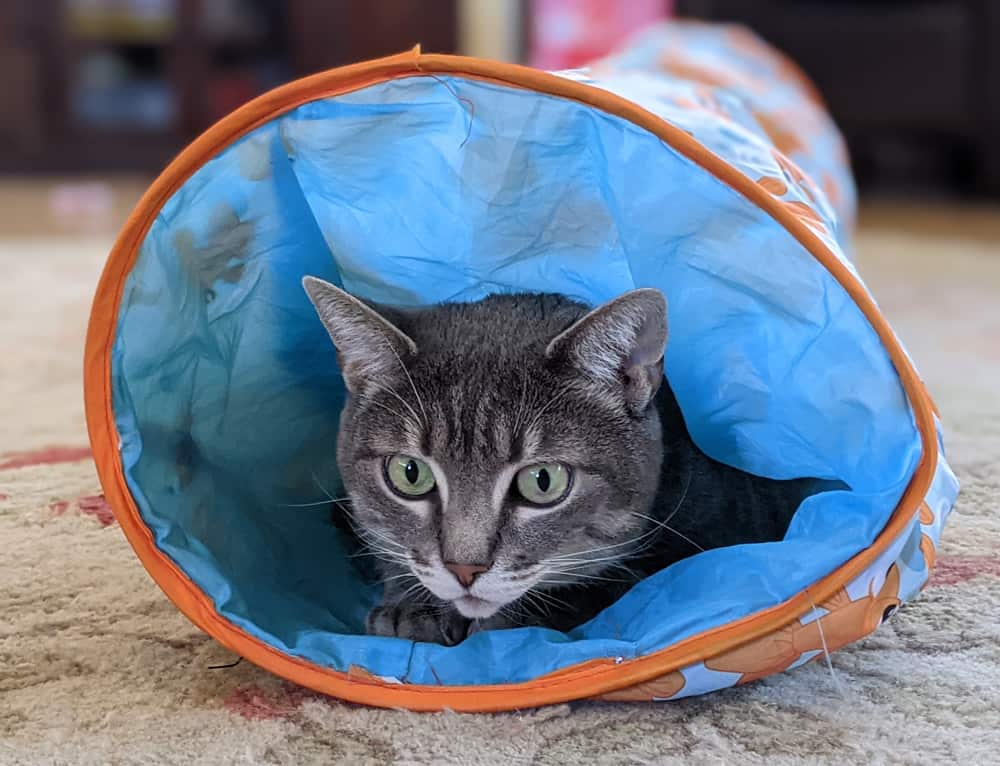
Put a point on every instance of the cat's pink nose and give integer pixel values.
(466, 573)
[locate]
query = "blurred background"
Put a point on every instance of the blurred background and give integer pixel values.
(97, 95)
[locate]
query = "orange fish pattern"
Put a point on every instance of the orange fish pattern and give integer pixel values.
(845, 621)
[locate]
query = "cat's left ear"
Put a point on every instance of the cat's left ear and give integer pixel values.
(620, 345)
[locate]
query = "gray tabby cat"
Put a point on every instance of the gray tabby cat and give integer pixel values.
(521, 460)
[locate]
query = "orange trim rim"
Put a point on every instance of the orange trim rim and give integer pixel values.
(587, 679)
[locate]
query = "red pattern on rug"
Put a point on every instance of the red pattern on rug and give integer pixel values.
(954, 570)
(88, 505)
(253, 702)
(97, 506)
(44, 456)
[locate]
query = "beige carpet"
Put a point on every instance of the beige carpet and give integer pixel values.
(96, 667)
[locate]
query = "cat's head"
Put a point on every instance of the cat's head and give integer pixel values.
(502, 446)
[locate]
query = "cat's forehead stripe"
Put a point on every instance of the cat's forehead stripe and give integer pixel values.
(481, 420)
(468, 429)
(452, 415)
(505, 441)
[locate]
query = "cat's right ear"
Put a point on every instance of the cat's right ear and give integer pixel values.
(369, 346)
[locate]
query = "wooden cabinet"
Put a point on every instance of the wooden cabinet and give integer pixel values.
(122, 85)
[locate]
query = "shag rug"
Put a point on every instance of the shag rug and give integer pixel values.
(97, 667)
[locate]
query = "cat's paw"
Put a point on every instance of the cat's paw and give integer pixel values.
(417, 622)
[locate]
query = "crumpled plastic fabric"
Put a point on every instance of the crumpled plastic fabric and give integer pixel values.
(426, 189)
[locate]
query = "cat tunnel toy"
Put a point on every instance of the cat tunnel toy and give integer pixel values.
(698, 161)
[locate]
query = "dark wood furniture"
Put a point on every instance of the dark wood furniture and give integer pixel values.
(174, 75)
(913, 84)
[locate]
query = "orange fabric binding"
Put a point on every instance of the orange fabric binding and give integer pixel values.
(598, 677)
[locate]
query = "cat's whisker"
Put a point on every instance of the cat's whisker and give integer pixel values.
(389, 557)
(532, 601)
(584, 560)
(668, 528)
(385, 546)
(614, 560)
(587, 576)
(684, 494)
(604, 562)
(578, 576)
(387, 408)
(313, 505)
(610, 546)
(403, 401)
(361, 554)
(380, 536)
(589, 562)
(369, 535)
(329, 495)
(403, 576)
(416, 589)
(548, 598)
(626, 569)
(512, 612)
(376, 544)
(560, 583)
(577, 554)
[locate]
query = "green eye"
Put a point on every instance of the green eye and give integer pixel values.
(408, 476)
(543, 484)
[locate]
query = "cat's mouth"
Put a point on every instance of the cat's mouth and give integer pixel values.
(475, 608)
